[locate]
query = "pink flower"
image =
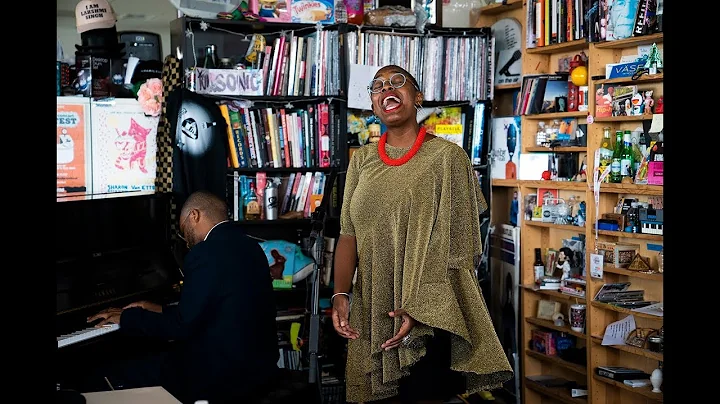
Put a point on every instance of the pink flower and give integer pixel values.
(150, 96)
(151, 107)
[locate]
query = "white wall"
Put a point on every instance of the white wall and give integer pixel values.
(69, 37)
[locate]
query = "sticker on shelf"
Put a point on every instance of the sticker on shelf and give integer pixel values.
(596, 266)
(590, 119)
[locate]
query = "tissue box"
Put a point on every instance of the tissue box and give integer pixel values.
(655, 173)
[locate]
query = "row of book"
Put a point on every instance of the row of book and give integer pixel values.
(297, 65)
(448, 68)
(540, 94)
(282, 137)
(557, 21)
(299, 192)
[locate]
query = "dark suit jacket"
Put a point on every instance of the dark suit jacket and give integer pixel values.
(224, 325)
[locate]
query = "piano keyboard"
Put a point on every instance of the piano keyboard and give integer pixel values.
(88, 333)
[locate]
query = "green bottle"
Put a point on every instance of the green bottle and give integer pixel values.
(615, 175)
(627, 168)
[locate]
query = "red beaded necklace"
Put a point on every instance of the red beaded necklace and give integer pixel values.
(407, 156)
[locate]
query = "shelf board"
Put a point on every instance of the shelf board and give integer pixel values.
(558, 115)
(560, 47)
(643, 391)
(549, 324)
(572, 185)
(634, 274)
(628, 80)
(571, 149)
(553, 293)
(278, 222)
(567, 227)
(559, 393)
(497, 182)
(501, 87)
(610, 307)
(637, 236)
(630, 349)
(633, 118)
(558, 361)
(636, 189)
(630, 42)
(278, 98)
(279, 170)
(498, 8)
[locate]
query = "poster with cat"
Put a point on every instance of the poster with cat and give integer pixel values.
(124, 146)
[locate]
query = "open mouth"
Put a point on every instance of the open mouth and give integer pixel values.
(391, 103)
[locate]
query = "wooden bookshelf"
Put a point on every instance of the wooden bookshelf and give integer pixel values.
(499, 8)
(633, 189)
(632, 118)
(628, 80)
(610, 307)
(544, 60)
(630, 42)
(561, 394)
(497, 182)
(557, 115)
(549, 324)
(568, 227)
(634, 274)
(572, 149)
(569, 46)
(556, 360)
(646, 353)
(645, 392)
(552, 293)
(502, 87)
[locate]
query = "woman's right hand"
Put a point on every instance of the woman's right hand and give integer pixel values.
(340, 317)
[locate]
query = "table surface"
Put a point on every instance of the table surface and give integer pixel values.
(145, 395)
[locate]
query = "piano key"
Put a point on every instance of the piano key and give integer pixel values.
(88, 333)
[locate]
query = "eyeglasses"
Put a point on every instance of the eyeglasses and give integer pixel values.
(397, 80)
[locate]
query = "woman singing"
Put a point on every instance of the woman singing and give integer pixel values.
(419, 329)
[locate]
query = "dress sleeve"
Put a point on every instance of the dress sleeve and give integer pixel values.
(351, 180)
(468, 203)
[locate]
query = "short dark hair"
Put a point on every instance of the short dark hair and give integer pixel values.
(403, 71)
(208, 203)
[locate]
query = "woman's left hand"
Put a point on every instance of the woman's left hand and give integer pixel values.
(407, 324)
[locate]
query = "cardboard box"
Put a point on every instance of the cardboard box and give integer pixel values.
(95, 76)
(313, 11)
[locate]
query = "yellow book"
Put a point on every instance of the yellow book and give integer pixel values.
(231, 141)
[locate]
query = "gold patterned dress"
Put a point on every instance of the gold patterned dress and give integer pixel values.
(418, 241)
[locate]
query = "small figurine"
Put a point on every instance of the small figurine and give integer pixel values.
(563, 262)
(514, 209)
(653, 62)
(659, 106)
(649, 103)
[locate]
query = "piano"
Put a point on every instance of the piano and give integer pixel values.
(112, 250)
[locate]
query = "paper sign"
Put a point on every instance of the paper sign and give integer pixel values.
(360, 78)
(617, 332)
(596, 266)
(229, 81)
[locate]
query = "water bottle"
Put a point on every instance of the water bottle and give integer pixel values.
(271, 200)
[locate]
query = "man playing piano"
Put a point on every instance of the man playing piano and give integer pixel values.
(223, 328)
